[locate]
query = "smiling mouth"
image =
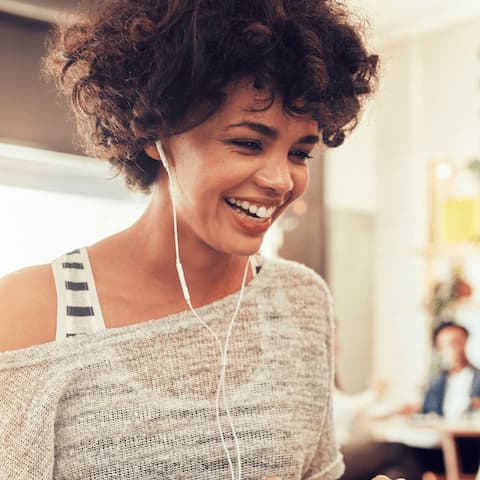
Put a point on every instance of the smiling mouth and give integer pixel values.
(247, 213)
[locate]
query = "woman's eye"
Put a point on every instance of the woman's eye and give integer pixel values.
(256, 146)
(247, 144)
(301, 155)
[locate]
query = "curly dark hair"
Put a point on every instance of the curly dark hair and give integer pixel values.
(137, 71)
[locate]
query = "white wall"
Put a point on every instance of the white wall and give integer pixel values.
(351, 250)
(350, 170)
(399, 322)
(427, 109)
(451, 69)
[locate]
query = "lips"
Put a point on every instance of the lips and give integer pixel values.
(248, 223)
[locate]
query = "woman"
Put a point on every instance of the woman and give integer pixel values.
(115, 365)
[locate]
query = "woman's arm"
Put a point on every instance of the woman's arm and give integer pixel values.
(27, 308)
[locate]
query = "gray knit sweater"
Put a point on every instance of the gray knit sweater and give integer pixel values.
(138, 402)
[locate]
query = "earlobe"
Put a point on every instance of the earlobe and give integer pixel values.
(151, 150)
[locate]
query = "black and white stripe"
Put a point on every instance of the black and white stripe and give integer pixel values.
(76, 286)
(77, 310)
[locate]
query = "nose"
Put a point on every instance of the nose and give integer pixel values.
(275, 175)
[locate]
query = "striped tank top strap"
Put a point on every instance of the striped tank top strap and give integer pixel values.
(78, 308)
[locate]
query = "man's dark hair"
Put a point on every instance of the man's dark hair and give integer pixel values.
(443, 326)
(137, 71)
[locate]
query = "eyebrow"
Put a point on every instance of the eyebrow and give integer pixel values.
(271, 132)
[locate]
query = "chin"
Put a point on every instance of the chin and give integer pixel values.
(243, 247)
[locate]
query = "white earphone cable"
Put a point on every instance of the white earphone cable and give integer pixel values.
(223, 351)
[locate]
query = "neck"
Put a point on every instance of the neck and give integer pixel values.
(459, 367)
(209, 274)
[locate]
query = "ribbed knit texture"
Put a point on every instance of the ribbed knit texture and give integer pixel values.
(138, 402)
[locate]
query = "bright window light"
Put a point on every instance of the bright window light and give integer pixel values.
(38, 226)
(443, 171)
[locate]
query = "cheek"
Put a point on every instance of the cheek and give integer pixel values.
(205, 194)
(449, 352)
(301, 179)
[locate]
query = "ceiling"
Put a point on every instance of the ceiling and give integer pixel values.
(396, 19)
(390, 19)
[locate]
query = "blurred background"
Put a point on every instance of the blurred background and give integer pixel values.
(392, 217)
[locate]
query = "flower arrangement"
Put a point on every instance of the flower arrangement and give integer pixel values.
(446, 295)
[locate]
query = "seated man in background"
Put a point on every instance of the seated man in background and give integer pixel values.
(453, 393)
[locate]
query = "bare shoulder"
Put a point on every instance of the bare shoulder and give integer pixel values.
(28, 307)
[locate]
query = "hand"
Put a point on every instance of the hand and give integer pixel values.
(380, 387)
(475, 404)
(409, 409)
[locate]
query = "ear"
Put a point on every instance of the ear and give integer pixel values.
(151, 150)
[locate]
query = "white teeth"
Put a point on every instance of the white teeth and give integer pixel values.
(260, 211)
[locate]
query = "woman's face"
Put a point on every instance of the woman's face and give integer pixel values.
(237, 172)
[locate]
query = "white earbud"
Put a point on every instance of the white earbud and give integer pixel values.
(163, 157)
(181, 275)
(186, 294)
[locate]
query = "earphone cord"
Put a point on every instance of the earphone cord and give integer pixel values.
(223, 351)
